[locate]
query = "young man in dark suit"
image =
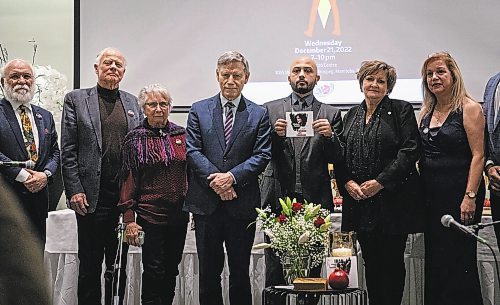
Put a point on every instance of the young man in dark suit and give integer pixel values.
(228, 146)
(299, 166)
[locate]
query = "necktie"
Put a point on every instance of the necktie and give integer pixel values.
(303, 104)
(28, 134)
(228, 124)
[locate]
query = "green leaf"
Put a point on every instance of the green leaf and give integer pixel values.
(324, 227)
(284, 207)
(261, 213)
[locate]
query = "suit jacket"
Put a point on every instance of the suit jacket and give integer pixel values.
(12, 146)
(81, 141)
(278, 180)
(246, 155)
(401, 210)
(492, 130)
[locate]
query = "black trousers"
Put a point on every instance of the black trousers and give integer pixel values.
(161, 255)
(97, 240)
(495, 215)
(212, 232)
(384, 266)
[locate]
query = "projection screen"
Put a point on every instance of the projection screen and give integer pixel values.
(177, 43)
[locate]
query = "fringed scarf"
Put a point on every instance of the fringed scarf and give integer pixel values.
(146, 145)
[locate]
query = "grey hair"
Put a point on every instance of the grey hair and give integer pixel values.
(3, 68)
(233, 56)
(101, 54)
(154, 88)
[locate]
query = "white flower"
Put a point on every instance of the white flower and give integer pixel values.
(269, 233)
(261, 246)
(295, 231)
(304, 237)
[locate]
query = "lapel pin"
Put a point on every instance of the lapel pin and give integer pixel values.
(130, 113)
(38, 116)
(426, 130)
(389, 113)
(178, 142)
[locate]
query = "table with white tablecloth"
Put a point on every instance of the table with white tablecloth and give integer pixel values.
(61, 261)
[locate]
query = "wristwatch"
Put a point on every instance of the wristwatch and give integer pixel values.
(47, 173)
(471, 194)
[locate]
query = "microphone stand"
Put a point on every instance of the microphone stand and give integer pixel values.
(476, 229)
(118, 262)
(480, 226)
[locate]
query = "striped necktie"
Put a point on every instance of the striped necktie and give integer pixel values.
(28, 134)
(228, 124)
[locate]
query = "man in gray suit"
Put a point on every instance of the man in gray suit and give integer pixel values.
(491, 108)
(94, 123)
(299, 166)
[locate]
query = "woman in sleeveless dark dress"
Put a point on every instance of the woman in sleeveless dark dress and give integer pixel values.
(452, 131)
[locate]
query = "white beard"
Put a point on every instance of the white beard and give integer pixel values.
(24, 96)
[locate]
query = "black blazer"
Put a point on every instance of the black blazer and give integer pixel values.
(401, 211)
(317, 151)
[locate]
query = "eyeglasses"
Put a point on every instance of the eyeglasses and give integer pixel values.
(153, 105)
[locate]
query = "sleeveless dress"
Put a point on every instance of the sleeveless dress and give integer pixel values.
(451, 275)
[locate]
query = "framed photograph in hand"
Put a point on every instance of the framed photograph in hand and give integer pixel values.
(299, 124)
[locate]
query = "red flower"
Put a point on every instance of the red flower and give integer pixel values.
(318, 222)
(281, 219)
(296, 206)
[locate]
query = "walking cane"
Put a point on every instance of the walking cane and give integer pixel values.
(118, 262)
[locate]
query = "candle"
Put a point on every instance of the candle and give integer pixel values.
(341, 252)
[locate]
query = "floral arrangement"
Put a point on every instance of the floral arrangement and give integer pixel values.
(51, 85)
(300, 230)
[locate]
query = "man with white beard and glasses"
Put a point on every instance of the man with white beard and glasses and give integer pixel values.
(27, 133)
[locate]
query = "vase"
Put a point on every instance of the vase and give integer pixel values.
(295, 266)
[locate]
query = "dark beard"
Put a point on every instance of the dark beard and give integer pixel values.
(302, 90)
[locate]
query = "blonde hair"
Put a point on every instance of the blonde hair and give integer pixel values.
(458, 92)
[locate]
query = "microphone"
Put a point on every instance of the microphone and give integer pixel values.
(23, 164)
(447, 221)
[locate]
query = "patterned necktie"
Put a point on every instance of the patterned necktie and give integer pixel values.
(28, 134)
(228, 124)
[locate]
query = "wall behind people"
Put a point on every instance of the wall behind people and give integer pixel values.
(50, 23)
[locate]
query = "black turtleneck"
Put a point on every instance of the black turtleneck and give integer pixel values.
(107, 94)
(113, 131)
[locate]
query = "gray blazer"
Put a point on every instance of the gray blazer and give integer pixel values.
(81, 141)
(492, 130)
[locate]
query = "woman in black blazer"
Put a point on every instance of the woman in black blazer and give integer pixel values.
(381, 145)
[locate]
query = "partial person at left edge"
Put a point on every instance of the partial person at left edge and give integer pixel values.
(27, 133)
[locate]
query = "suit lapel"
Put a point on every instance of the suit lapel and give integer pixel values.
(215, 111)
(94, 114)
(287, 107)
(491, 112)
(241, 117)
(40, 125)
(14, 125)
(128, 107)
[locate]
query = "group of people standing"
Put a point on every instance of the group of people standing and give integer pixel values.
(122, 155)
